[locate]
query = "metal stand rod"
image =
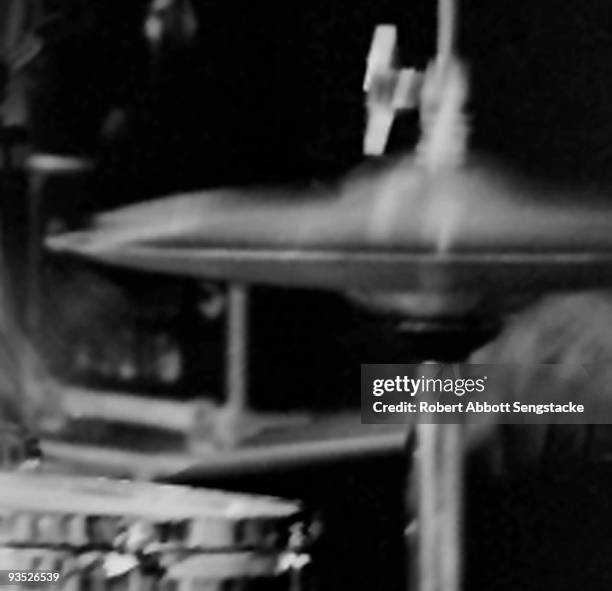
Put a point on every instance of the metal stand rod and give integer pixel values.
(447, 31)
(439, 474)
(32, 312)
(237, 350)
(42, 168)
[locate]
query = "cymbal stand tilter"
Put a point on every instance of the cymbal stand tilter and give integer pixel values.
(435, 536)
(389, 88)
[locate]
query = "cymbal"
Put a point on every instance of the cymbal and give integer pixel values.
(393, 228)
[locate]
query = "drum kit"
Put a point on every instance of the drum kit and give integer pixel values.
(95, 533)
(436, 226)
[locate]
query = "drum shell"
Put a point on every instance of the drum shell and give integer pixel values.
(240, 571)
(103, 534)
(75, 512)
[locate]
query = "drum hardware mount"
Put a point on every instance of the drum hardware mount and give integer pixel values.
(389, 89)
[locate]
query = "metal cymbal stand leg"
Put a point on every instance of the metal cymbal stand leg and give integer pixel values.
(235, 422)
(236, 368)
(437, 538)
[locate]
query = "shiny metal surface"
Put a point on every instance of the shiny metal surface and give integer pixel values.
(391, 228)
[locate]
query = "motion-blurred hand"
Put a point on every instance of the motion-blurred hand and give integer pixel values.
(569, 332)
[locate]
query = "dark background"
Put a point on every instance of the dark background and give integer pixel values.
(271, 91)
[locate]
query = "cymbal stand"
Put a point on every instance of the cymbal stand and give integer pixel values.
(235, 422)
(435, 536)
